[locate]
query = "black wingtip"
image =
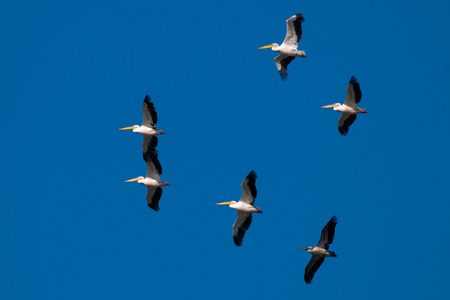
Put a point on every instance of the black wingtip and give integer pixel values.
(252, 175)
(334, 220)
(353, 80)
(154, 207)
(300, 17)
(343, 131)
(237, 241)
(284, 75)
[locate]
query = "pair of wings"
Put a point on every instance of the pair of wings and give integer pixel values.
(326, 238)
(353, 97)
(244, 219)
(293, 37)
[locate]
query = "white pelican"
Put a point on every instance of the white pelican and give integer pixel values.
(152, 180)
(244, 207)
(288, 49)
(150, 119)
(320, 251)
(350, 108)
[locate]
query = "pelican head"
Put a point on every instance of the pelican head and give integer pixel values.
(331, 105)
(226, 203)
(269, 46)
(130, 128)
(135, 179)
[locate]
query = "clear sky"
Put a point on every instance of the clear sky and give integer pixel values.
(73, 73)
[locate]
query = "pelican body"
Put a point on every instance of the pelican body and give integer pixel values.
(244, 207)
(350, 108)
(288, 49)
(320, 251)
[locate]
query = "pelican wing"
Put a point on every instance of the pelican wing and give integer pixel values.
(150, 116)
(154, 168)
(312, 267)
(153, 197)
(294, 30)
(344, 123)
(148, 146)
(353, 92)
(249, 188)
(240, 226)
(282, 61)
(326, 238)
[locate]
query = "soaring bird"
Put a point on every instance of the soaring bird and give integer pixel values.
(244, 207)
(288, 49)
(350, 108)
(152, 180)
(320, 251)
(148, 128)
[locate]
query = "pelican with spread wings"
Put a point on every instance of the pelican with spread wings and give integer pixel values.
(148, 128)
(288, 49)
(244, 207)
(320, 251)
(152, 181)
(350, 107)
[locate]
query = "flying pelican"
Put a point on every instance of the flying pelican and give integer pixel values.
(152, 180)
(288, 49)
(148, 124)
(320, 251)
(244, 207)
(350, 108)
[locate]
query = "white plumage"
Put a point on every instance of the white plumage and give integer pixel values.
(288, 49)
(350, 108)
(244, 207)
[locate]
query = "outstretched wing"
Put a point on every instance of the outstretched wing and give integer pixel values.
(327, 236)
(312, 267)
(153, 197)
(249, 188)
(240, 226)
(353, 92)
(282, 61)
(148, 145)
(150, 116)
(344, 123)
(294, 30)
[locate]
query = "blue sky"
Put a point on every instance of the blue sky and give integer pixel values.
(73, 73)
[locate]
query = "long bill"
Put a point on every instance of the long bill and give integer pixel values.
(224, 203)
(330, 106)
(127, 128)
(267, 47)
(303, 248)
(133, 179)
